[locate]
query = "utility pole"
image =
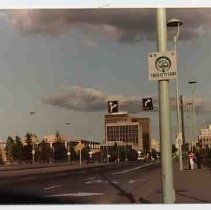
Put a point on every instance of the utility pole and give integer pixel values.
(33, 147)
(177, 23)
(68, 146)
(193, 83)
(168, 195)
(182, 120)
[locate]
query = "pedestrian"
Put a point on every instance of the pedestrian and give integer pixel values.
(198, 158)
(191, 158)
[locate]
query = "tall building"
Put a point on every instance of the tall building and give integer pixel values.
(146, 132)
(122, 129)
(205, 137)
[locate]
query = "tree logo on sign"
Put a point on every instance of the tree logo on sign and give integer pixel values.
(163, 64)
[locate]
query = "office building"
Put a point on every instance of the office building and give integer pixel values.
(205, 137)
(122, 129)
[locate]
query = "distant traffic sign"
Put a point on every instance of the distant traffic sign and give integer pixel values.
(147, 103)
(80, 146)
(113, 106)
(162, 65)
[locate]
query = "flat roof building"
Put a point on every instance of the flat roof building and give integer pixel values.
(205, 137)
(122, 129)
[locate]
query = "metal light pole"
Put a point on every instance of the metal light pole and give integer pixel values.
(33, 148)
(168, 195)
(190, 108)
(118, 153)
(68, 152)
(193, 83)
(177, 23)
(126, 153)
(107, 154)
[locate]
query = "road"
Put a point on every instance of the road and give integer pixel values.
(117, 183)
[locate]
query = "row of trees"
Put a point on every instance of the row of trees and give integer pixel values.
(16, 151)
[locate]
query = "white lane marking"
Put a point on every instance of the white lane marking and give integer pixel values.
(131, 181)
(52, 187)
(134, 180)
(90, 178)
(98, 181)
(80, 194)
(94, 181)
(132, 169)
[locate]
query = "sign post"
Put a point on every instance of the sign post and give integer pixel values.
(80, 147)
(162, 70)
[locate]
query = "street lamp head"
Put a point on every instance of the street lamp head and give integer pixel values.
(192, 82)
(174, 22)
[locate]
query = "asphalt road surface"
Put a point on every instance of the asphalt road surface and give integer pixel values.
(117, 183)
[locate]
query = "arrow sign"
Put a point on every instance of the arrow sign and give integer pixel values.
(112, 106)
(147, 104)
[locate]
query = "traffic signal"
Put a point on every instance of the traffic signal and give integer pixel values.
(147, 104)
(113, 106)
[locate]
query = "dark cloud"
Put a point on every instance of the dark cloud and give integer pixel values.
(88, 99)
(91, 100)
(127, 25)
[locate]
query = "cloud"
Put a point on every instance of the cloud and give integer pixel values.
(85, 99)
(126, 25)
(91, 100)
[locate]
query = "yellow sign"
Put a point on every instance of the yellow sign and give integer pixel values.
(80, 146)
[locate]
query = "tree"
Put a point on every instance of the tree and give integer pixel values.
(85, 153)
(104, 154)
(132, 154)
(97, 156)
(27, 148)
(60, 152)
(58, 136)
(73, 155)
(113, 154)
(44, 152)
(10, 148)
(18, 149)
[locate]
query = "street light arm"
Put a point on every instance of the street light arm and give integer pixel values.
(178, 30)
(175, 38)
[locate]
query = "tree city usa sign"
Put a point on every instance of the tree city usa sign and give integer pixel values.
(162, 65)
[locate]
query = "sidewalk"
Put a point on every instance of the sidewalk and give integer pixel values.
(191, 186)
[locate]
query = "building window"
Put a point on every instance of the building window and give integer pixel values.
(125, 133)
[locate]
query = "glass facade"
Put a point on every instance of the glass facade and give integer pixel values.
(125, 133)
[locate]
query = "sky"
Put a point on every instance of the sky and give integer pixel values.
(103, 3)
(66, 64)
